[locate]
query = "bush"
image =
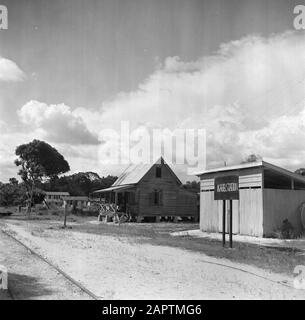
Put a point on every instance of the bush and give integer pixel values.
(286, 231)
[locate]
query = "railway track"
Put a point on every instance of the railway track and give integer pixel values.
(64, 274)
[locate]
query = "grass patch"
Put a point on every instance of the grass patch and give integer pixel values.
(272, 259)
(158, 234)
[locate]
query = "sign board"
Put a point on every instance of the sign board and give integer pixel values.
(226, 188)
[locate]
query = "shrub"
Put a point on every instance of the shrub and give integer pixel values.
(286, 231)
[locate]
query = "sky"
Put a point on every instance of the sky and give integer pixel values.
(71, 68)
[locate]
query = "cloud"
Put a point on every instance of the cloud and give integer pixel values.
(239, 94)
(249, 96)
(58, 122)
(283, 140)
(9, 71)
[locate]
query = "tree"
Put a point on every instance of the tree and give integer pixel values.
(192, 186)
(79, 184)
(252, 158)
(300, 171)
(12, 194)
(38, 160)
(13, 181)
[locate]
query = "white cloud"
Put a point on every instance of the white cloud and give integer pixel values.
(9, 71)
(239, 95)
(249, 96)
(58, 122)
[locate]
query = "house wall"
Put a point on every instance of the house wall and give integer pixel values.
(251, 212)
(175, 202)
(247, 212)
(54, 198)
(209, 212)
(187, 204)
(281, 204)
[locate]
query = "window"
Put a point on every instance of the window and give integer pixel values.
(158, 172)
(157, 197)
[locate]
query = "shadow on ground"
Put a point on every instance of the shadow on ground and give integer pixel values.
(24, 287)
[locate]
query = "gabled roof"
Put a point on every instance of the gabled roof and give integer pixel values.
(134, 173)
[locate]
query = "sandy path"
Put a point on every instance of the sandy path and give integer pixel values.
(114, 268)
(30, 278)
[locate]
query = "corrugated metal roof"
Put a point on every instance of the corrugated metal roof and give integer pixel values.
(77, 198)
(56, 193)
(264, 164)
(134, 173)
(229, 168)
(124, 187)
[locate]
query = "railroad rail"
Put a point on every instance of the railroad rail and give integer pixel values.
(64, 274)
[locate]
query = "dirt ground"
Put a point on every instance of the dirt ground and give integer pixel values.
(30, 278)
(142, 261)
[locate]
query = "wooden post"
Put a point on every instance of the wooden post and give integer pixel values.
(65, 211)
(231, 223)
(223, 223)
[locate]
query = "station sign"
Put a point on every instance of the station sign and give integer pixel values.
(226, 188)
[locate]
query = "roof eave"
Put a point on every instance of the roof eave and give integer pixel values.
(230, 168)
(263, 164)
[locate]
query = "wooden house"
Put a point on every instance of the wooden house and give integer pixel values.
(268, 195)
(77, 202)
(55, 197)
(146, 190)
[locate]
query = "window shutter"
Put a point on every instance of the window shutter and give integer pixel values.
(161, 197)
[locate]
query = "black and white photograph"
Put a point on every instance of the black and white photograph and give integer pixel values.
(152, 150)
